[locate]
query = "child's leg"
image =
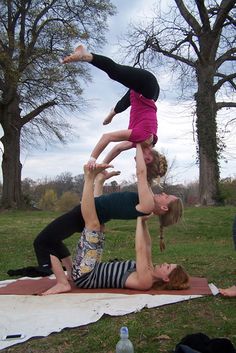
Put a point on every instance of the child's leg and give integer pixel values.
(137, 79)
(62, 284)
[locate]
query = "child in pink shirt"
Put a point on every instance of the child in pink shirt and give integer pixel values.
(143, 91)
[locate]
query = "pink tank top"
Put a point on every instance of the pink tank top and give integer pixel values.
(143, 118)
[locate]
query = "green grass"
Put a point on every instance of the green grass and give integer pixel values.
(202, 243)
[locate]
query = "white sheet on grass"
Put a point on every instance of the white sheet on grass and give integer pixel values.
(38, 316)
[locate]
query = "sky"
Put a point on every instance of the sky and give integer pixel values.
(175, 123)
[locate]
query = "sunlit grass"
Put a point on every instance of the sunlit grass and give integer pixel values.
(202, 243)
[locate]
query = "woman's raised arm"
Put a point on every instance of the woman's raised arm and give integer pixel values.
(146, 199)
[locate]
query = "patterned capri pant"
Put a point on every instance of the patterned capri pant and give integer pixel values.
(88, 253)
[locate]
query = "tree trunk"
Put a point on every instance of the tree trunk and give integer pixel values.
(11, 166)
(207, 137)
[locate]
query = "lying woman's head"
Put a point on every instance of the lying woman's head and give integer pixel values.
(170, 276)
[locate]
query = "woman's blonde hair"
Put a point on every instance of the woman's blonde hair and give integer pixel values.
(178, 279)
(157, 168)
(172, 216)
(174, 213)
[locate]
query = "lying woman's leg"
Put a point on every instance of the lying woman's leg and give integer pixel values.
(90, 247)
(88, 208)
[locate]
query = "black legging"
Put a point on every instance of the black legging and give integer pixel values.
(50, 239)
(139, 80)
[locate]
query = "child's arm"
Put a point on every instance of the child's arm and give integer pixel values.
(117, 149)
(116, 136)
(146, 200)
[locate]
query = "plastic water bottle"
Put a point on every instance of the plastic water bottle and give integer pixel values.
(124, 345)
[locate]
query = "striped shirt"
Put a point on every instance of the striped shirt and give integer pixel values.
(107, 275)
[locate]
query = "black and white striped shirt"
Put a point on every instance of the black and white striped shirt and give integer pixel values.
(107, 275)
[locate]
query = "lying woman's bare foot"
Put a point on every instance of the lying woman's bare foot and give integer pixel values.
(58, 288)
(80, 54)
(109, 118)
(228, 292)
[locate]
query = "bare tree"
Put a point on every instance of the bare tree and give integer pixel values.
(34, 87)
(197, 40)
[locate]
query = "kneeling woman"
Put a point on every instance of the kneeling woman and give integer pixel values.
(89, 272)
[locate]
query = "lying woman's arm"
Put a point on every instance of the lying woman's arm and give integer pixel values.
(142, 277)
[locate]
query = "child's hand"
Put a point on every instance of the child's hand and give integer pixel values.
(91, 164)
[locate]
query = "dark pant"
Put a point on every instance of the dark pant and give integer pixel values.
(139, 80)
(50, 240)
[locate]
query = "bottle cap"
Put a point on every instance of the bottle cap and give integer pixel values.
(124, 332)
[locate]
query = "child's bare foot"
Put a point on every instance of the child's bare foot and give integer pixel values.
(58, 288)
(228, 292)
(109, 118)
(80, 54)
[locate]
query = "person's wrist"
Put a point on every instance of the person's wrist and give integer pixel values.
(92, 159)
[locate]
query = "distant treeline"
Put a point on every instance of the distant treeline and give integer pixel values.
(64, 191)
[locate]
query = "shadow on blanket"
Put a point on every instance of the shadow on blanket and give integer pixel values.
(198, 286)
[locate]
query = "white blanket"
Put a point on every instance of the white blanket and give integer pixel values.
(41, 315)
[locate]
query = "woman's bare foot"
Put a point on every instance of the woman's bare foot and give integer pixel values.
(98, 168)
(58, 288)
(109, 118)
(80, 54)
(105, 175)
(228, 292)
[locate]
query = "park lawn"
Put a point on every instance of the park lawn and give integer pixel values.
(202, 243)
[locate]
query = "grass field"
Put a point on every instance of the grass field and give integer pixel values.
(202, 243)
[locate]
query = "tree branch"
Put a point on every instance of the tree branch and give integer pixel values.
(221, 105)
(154, 44)
(34, 31)
(37, 111)
(225, 78)
(188, 17)
(224, 9)
(226, 56)
(203, 15)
